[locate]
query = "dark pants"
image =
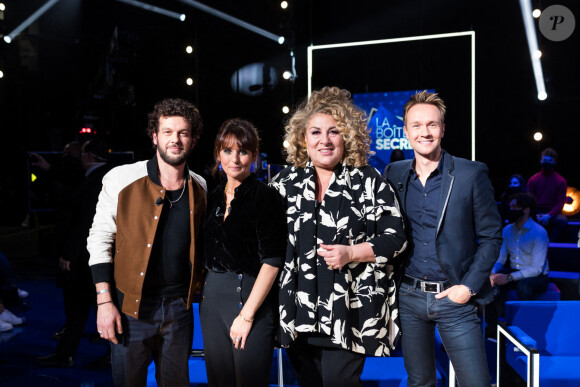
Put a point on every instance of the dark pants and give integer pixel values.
(460, 332)
(224, 295)
(324, 366)
(528, 289)
(166, 334)
(79, 296)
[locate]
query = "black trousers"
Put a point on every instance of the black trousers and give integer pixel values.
(224, 295)
(79, 298)
(324, 366)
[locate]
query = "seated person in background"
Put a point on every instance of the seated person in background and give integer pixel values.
(516, 184)
(549, 189)
(526, 243)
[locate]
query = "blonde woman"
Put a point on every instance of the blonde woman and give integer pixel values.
(337, 287)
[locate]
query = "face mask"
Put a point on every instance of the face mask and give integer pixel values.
(514, 215)
(547, 166)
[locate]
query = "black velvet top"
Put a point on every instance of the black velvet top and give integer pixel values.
(254, 232)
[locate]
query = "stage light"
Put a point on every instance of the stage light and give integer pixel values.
(536, 14)
(152, 8)
(284, 4)
(2, 7)
(189, 49)
(1, 74)
(285, 144)
(572, 206)
(233, 20)
(285, 109)
(538, 136)
(542, 96)
(189, 81)
(286, 74)
(526, 8)
(537, 54)
(31, 19)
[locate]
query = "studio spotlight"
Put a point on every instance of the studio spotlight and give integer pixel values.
(536, 14)
(281, 40)
(538, 136)
(286, 74)
(189, 81)
(537, 54)
(285, 110)
(7, 39)
(2, 7)
(189, 49)
(152, 8)
(1, 74)
(542, 95)
(284, 4)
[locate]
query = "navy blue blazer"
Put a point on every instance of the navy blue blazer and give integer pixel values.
(469, 227)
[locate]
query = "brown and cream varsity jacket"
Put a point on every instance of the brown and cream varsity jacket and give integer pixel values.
(121, 237)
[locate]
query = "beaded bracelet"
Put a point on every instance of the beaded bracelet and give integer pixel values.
(246, 319)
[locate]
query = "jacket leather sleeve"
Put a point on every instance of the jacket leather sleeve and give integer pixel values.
(103, 231)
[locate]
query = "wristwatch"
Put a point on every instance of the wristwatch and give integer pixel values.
(471, 292)
(510, 278)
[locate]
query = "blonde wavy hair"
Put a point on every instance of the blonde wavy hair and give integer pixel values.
(351, 121)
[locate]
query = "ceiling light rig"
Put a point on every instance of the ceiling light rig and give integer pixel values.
(31, 19)
(152, 8)
(532, 38)
(234, 20)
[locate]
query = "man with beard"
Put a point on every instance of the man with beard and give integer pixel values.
(549, 189)
(143, 252)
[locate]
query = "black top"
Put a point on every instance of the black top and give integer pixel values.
(253, 233)
(169, 270)
(422, 210)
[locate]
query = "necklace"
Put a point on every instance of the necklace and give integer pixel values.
(180, 195)
(171, 202)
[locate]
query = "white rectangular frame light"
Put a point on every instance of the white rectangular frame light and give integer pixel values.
(408, 39)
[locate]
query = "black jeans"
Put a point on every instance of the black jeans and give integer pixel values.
(324, 366)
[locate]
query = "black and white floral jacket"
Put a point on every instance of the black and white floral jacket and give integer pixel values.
(356, 306)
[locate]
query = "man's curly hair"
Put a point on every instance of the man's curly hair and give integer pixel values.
(350, 120)
(175, 107)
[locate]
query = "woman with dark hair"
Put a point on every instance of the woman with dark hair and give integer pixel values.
(244, 239)
(337, 287)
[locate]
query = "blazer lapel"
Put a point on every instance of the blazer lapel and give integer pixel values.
(447, 179)
(401, 186)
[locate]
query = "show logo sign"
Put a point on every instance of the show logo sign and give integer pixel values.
(385, 123)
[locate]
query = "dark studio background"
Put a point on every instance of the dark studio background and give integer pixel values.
(64, 73)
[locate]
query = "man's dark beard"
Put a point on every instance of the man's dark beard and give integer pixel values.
(175, 161)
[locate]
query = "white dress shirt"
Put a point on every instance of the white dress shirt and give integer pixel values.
(527, 248)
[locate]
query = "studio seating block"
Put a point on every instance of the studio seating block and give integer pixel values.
(551, 294)
(548, 332)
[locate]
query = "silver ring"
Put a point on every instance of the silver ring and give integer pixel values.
(100, 332)
(238, 338)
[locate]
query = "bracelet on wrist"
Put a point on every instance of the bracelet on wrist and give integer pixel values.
(103, 303)
(245, 319)
(103, 291)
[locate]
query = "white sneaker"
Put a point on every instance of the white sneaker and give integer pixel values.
(22, 293)
(5, 327)
(10, 318)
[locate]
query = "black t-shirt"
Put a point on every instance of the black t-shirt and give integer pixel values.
(169, 270)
